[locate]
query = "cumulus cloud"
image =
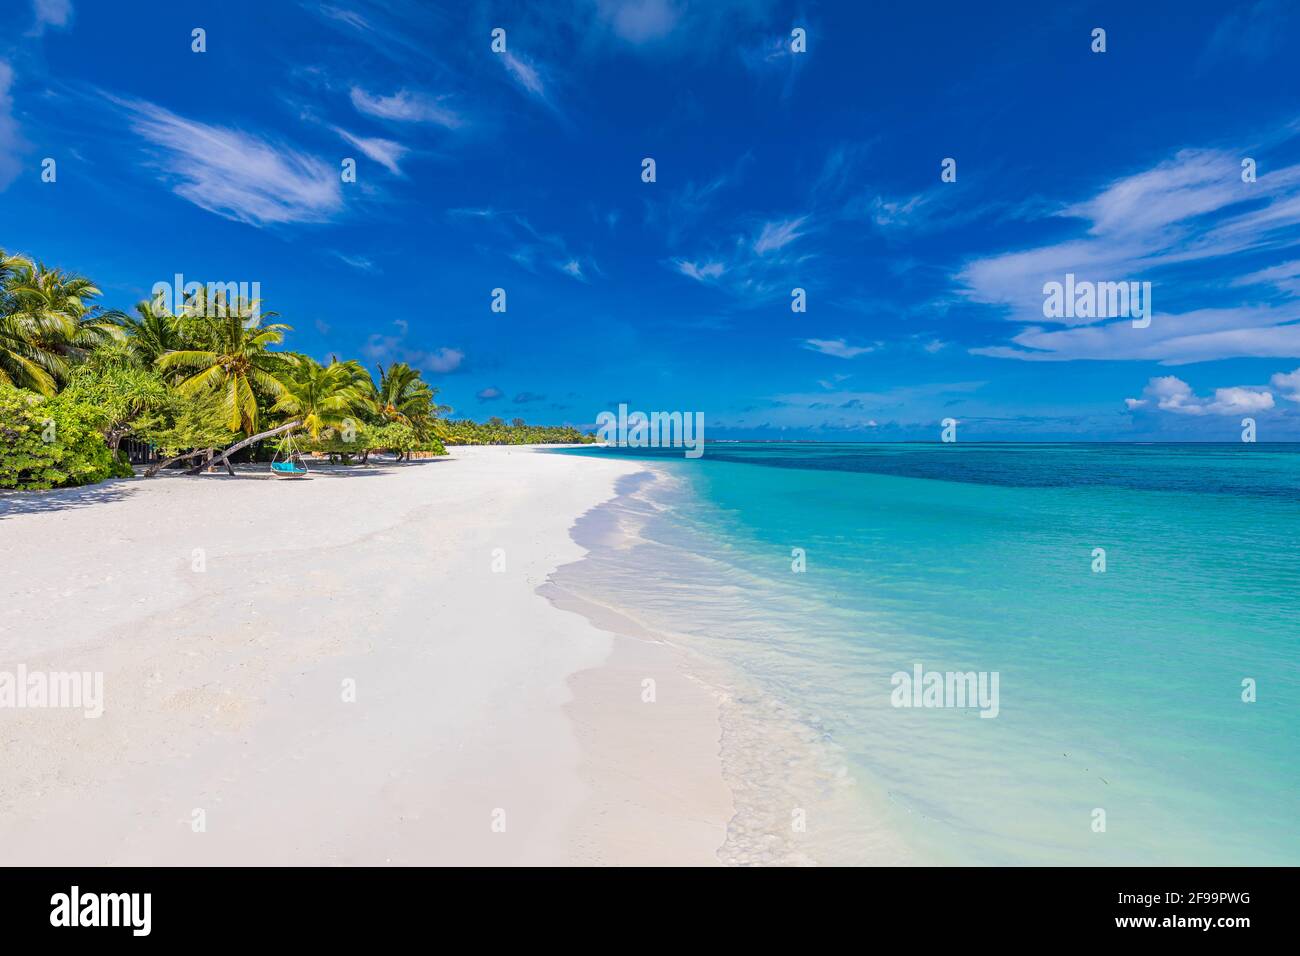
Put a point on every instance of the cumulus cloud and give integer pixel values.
(1287, 384)
(837, 347)
(489, 394)
(1171, 394)
(395, 348)
(443, 360)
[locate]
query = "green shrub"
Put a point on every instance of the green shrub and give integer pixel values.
(52, 442)
(122, 467)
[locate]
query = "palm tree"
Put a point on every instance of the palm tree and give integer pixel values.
(151, 332)
(56, 307)
(45, 322)
(315, 397)
(404, 396)
(322, 396)
(24, 362)
(236, 361)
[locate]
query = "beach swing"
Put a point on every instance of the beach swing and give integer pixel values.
(288, 461)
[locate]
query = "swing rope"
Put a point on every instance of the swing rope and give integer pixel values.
(288, 454)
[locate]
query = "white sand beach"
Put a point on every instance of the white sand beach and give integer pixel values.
(231, 617)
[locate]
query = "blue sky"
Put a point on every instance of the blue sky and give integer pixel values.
(820, 170)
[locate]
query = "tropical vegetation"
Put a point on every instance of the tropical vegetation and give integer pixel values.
(211, 382)
(496, 432)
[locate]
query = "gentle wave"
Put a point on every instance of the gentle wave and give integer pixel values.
(1120, 691)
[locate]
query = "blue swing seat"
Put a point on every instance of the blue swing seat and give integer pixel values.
(287, 468)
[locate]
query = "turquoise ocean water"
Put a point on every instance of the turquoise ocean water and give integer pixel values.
(1119, 691)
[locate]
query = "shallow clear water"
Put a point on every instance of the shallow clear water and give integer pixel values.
(1119, 691)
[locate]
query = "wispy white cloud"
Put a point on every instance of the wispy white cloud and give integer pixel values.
(772, 57)
(525, 74)
(889, 212)
(406, 107)
(11, 141)
(474, 212)
(837, 347)
(50, 13)
(639, 21)
(677, 212)
(383, 151)
(1171, 394)
(1256, 32)
(1198, 336)
(350, 17)
(235, 174)
(770, 53)
(397, 30)
(701, 272)
(752, 268)
(360, 263)
(527, 245)
(1185, 225)
(669, 27)
(746, 265)
(778, 234)
(1163, 216)
(1284, 277)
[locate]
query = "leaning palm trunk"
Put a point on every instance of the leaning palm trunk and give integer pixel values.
(222, 458)
(154, 469)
